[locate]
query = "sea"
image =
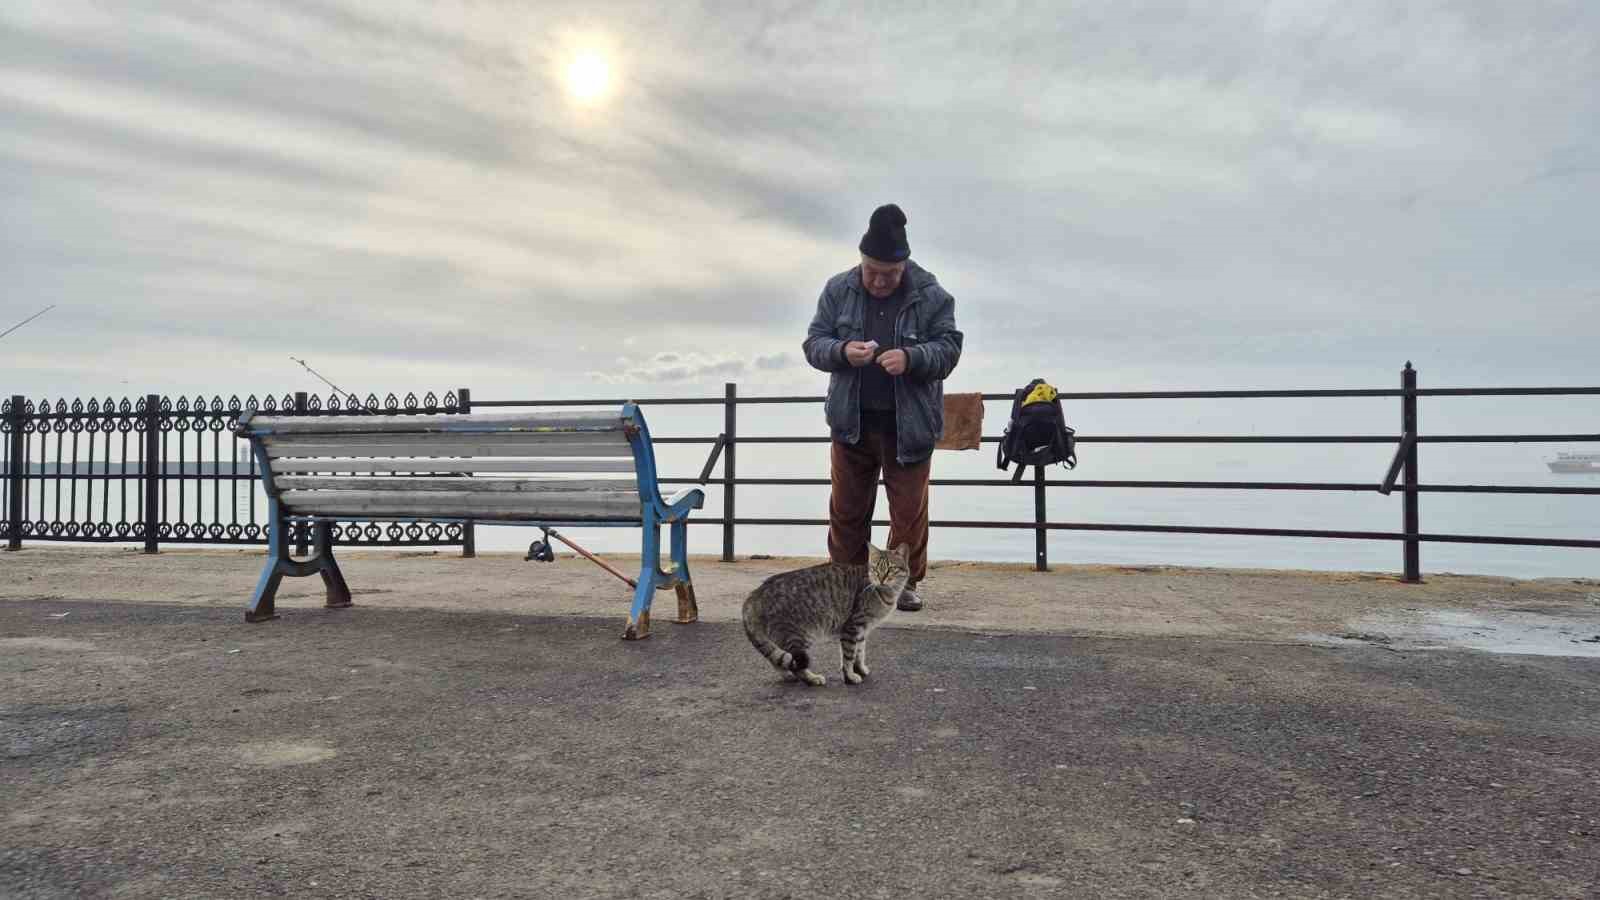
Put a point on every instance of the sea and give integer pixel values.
(1515, 515)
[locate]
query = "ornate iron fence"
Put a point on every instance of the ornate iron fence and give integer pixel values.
(158, 499)
(169, 470)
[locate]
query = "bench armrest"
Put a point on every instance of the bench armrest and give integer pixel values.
(678, 505)
(673, 509)
(677, 498)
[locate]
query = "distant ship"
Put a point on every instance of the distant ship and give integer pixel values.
(1568, 463)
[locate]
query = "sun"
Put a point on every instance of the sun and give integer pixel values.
(588, 77)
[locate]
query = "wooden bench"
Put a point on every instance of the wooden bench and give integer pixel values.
(532, 469)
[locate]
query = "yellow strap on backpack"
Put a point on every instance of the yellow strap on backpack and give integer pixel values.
(1041, 393)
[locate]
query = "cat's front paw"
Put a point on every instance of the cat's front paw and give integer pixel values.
(850, 677)
(812, 678)
(861, 669)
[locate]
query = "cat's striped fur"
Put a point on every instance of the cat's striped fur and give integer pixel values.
(791, 611)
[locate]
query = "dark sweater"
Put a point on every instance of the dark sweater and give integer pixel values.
(877, 386)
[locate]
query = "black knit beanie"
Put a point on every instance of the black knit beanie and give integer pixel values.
(886, 235)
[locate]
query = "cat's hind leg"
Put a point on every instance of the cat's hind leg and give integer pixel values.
(801, 666)
(775, 656)
(782, 664)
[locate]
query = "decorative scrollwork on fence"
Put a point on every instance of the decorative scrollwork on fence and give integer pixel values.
(87, 475)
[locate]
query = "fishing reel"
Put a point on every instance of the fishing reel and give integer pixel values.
(540, 550)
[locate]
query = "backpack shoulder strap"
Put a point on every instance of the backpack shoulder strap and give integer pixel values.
(1003, 457)
(1064, 438)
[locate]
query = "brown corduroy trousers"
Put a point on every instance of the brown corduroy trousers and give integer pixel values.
(855, 471)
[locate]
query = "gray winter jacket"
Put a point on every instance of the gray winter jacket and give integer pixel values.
(927, 331)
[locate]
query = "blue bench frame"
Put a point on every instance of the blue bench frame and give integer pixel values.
(653, 513)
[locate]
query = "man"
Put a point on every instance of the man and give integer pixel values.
(886, 332)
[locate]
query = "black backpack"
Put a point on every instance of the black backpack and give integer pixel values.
(1038, 433)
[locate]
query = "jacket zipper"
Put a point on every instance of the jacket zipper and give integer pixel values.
(861, 327)
(899, 405)
(855, 382)
(899, 401)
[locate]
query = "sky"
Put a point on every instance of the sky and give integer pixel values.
(419, 196)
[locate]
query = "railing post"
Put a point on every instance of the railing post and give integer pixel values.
(469, 536)
(730, 425)
(16, 471)
(1410, 517)
(1041, 550)
(152, 470)
(302, 534)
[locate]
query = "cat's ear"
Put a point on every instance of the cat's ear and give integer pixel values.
(902, 553)
(875, 551)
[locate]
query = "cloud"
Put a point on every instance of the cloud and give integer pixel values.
(403, 191)
(673, 367)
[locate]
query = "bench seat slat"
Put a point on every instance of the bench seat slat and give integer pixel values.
(469, 485)
(549, 422)
(619, 464)
(442, 445)
(465, 504)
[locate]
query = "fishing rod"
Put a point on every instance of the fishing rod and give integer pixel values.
(27, 320)
(542, 552)
(336, 388)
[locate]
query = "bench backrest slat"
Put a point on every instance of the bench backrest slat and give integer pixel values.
(432, 466)
(465, 505)
(391, 445)
(496, 423)
(491, 485)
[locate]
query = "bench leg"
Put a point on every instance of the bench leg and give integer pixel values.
(688, 610)
(262, 605)
(263, 602)
(332, 578)
(638, 627)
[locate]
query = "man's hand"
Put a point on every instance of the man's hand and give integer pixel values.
(893, 361)
(859, 353)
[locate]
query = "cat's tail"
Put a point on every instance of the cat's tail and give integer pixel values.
(779, 657)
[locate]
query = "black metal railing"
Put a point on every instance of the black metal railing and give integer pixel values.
(163, 470)
(156, 432)
(1403, 469)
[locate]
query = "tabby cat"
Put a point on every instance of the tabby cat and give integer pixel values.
(791, 610)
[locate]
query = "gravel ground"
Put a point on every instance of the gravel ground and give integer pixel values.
(1003, 597)
(474, 728)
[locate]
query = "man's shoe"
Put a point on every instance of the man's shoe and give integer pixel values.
(909, 601)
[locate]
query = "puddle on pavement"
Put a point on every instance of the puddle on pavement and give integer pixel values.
(1563, 631)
